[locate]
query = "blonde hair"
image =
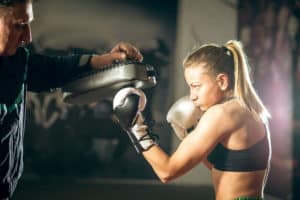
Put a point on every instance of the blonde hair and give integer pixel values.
(232, 60)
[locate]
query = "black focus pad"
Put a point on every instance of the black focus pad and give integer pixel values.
(94, 85)
(126, 112)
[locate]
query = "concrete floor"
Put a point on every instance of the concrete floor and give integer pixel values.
(93, 190)
(114, 190)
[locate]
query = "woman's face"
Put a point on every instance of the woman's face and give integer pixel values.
(15, 28)
(205, 90)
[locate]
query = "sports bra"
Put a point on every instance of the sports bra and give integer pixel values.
(253, 158)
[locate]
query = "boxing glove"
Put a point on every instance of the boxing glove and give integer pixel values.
(183, 116)
(128, 105)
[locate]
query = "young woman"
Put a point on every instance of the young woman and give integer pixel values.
(231, 137)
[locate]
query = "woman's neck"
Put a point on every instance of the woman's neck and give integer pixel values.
(227, 97)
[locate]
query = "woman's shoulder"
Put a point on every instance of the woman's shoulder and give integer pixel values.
(230, 113)
(228, 108)
(215, 115)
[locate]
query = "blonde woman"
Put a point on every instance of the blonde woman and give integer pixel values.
(231, 137)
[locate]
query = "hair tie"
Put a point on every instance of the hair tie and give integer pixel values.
(226, 51)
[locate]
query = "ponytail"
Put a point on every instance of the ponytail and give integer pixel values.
(243, 88)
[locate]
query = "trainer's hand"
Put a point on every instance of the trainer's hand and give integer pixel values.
(128, 105)
(120, 52)
(127, 51)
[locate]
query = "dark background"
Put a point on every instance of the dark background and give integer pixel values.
(77, 152)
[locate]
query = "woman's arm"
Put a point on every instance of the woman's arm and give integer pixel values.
(193, 149)
(207, 164)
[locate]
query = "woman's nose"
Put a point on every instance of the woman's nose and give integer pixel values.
(193, 96)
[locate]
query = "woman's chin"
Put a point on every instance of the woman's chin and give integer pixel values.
(203, 108)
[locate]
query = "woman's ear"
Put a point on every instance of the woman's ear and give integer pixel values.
(223, 81)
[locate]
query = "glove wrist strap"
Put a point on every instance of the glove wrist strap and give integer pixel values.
(146, 143)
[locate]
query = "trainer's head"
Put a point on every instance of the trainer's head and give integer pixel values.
(15, 30)
(215, 72)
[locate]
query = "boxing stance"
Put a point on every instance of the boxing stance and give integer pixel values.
(229, 135)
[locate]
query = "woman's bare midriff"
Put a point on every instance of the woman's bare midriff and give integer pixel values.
(230, 185)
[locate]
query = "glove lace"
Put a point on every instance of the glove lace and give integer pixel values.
(154, 136)
(151, 135)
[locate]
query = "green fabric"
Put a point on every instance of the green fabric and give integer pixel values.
(19, 98)
(26, 65)
(248, 198)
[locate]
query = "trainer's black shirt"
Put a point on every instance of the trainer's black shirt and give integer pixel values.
(19, 73)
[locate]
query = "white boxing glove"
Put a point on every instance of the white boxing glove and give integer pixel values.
(183, 116)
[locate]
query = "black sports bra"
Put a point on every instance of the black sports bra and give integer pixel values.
(254, 158)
